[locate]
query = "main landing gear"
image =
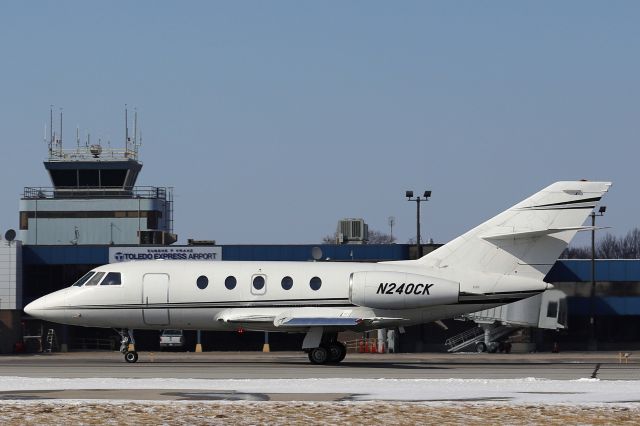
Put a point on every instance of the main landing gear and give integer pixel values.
(127, 345)
(331, 353)
(323, 348)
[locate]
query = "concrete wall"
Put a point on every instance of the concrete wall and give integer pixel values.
(10, 330)
(10, 294)
(10, 275)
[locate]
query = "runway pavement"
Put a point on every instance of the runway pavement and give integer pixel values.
(294, 365)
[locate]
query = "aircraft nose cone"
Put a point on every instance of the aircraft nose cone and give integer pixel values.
(50, 307)
(33, 307)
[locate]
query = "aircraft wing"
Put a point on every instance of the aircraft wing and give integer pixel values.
(329, 317)
(305, 317)
(336, 322)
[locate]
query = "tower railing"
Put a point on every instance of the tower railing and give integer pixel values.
(84, 192)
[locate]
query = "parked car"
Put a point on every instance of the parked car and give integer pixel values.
(171, 339)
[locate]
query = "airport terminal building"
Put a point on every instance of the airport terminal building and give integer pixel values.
(94, 214)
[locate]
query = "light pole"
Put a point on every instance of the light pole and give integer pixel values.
(593, 342)
(392, 221)
(410, 197)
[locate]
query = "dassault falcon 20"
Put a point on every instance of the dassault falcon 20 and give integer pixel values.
(503, 260)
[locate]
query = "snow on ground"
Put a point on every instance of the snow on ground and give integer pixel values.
(521, 391)
(370, 401)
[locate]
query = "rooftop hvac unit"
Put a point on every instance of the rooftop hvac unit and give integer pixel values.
(353, 231)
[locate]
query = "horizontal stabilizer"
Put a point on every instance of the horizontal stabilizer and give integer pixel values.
(528, 233)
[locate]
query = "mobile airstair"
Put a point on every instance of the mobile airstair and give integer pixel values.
(547, 311)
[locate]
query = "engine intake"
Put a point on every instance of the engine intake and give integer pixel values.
(400, 290)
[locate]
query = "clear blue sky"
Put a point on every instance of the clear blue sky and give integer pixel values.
(273, 120)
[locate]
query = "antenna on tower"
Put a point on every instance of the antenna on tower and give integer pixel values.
(50, 130)
(126, 129)
(135, 126)
(60, 141)
(78, 136)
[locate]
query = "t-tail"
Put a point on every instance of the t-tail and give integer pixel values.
(523, 242)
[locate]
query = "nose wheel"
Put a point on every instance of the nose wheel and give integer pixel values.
(131, 356)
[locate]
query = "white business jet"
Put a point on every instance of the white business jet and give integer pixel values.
(503, 260)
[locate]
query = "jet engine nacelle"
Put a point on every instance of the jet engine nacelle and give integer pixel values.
(400, 290)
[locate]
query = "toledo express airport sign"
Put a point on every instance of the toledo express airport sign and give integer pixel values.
(125, 254)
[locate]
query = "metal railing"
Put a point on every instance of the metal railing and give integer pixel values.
(93, 152)
(92, 343)
(467, 336)
(145, 192)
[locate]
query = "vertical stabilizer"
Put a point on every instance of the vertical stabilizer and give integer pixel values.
(525, 240)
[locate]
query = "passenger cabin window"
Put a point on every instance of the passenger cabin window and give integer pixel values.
(258, 284)
(230, 282)
(287, 283)
(112, 278)
(83, 280)
(315, 283)
(95, 279)
(552, 310)
(202, 282)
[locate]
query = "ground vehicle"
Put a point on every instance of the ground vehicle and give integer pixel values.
(171, 339)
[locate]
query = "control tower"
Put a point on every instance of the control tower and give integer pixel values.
(94, 200)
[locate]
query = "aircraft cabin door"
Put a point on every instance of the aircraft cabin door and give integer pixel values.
(155, 295)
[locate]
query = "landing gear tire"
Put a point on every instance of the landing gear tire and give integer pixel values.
(337, 352)
(481, 347)
(131, 356)
(318, 356)
(493, 347)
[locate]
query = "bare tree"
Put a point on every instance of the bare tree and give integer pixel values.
(377, 237)
(330, 239)
(631, 245)
(576, 253)
(609, 247)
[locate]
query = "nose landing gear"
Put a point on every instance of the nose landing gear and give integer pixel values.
(128, 345)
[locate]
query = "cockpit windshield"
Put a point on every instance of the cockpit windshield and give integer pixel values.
(95, 279)
(112, 278)
(83, 280)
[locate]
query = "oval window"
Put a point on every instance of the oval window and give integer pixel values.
(202, 282)
(230, 282)
(287, 283)
(258, 282)
(315, 283)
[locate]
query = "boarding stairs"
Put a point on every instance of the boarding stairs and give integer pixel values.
(486, 333)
